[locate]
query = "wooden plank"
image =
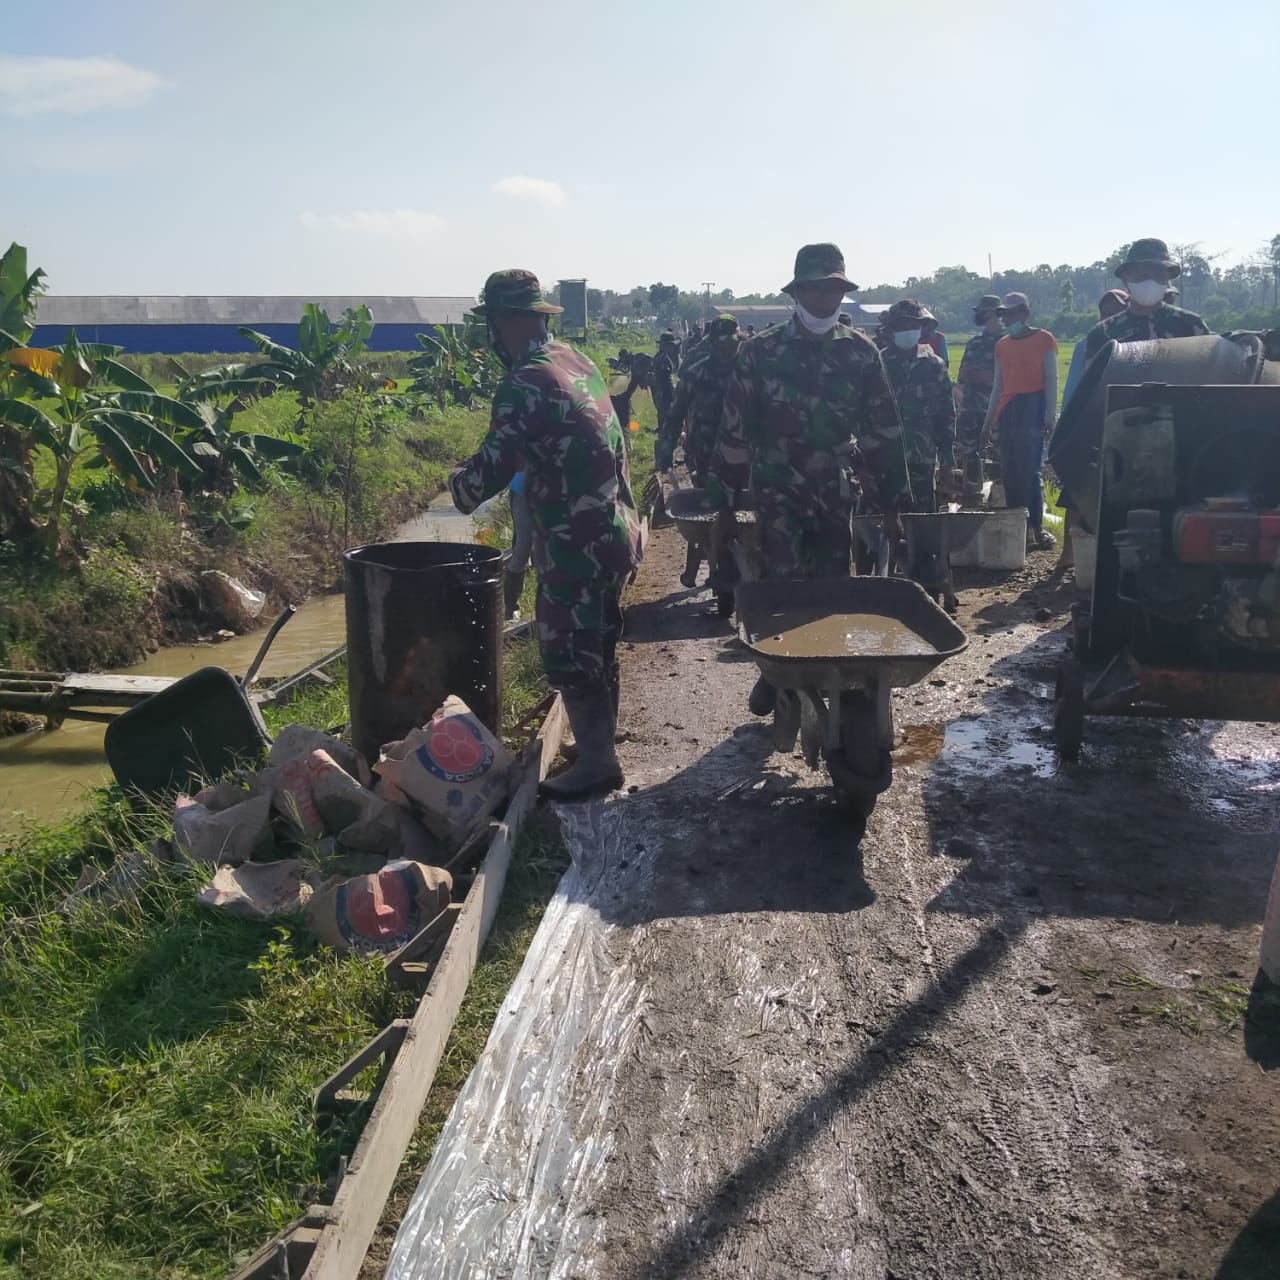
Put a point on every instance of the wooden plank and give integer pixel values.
(307, 672)
(371, 1173)
(77, 684)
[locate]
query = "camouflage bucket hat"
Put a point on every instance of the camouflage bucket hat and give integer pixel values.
(819, 262)
(907, 309)
(514, 290)
(1149, 252)
(988, 302)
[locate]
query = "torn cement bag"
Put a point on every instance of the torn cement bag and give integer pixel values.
(257, 890)
(297, 742)
(292, 799)
(232, 835)
(123, 881)
(359, 819)
(228, 598)
(382, 911)
(454, 771)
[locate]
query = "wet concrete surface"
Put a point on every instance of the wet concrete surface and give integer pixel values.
(1008, 1034)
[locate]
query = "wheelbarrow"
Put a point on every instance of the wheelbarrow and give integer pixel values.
(695, 518)
(930, 539)
(834, 649)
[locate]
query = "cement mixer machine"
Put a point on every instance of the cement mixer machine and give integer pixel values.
(1170, 451)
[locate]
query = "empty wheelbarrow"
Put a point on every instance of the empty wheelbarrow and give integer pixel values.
(695, 518)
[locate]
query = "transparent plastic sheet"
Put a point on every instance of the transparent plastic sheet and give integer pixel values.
(515, 1162)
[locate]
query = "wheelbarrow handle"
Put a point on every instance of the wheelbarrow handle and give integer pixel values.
(267, 641)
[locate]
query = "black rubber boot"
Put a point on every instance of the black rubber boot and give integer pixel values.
(692, 563)
(512, 587)
(762, 698)
(596, 770)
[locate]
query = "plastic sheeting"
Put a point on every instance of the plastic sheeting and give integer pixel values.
(511, 1164)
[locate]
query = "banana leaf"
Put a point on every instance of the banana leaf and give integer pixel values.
(146, 437)
(44, 430)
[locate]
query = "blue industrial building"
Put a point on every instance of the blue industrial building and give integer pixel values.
(172, 325)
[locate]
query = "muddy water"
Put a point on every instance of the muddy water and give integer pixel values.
(44, 775)
(869, 635)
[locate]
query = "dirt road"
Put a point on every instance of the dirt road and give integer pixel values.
(1007, 1037)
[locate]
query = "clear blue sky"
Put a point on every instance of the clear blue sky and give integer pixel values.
(409, 146)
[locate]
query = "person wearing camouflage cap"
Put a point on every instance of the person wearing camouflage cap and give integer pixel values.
(802, 395)
(552, 416)
(922, 387)
(973, 390)
(696, 410)
(1147, 272)
(665, 363)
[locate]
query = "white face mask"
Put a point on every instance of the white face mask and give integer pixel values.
(907, 339)
(1146, 293)
(817, 324)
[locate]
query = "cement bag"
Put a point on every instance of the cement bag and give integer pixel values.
(361, 821)
(232, 835)
(454, 771)
(297, 742)
(257, 890)
(292, 799)
(379, 913)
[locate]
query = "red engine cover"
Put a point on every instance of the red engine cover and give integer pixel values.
(1203, 536)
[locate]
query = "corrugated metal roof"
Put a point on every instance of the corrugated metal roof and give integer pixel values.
(84, 310)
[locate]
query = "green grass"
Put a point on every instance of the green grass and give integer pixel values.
(157, 1060)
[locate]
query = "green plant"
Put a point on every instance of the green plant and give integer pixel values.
(323, 365)
(78, 402)
(455, 366)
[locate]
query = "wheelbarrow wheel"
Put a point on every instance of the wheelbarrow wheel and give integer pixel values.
(1068, 711)
(857, 767)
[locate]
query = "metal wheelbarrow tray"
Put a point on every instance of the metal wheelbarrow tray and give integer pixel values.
(840, 704)
(694, 518)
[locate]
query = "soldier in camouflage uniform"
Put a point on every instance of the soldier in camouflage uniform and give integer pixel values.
(696, 409)
(552, 416)
(922, 387)
(1146, 272)
(973, 390)
(663, 376)
(801, 397)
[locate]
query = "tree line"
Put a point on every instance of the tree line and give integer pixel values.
(1245, 295)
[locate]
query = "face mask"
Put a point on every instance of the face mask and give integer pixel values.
(498, 346)
(1014, 329)
(817, 324)
(1146, 293)
(907, 339)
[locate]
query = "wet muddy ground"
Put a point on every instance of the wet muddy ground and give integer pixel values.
(1013, 1034)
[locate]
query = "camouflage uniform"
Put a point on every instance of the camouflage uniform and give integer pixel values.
(552, 416)
(1164, 322)
(699, 401)
(922, 387)
(793, 401)
(664, 370)
(975, 379)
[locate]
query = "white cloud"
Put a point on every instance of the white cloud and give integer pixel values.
(32, 86)
(539, 190)
(387, 224)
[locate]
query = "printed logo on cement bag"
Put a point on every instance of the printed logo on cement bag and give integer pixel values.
(456, 750)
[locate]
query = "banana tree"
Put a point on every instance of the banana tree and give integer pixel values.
(321, 367)
(20, 291)
(454, 366)
(227, 454)
(81, 404)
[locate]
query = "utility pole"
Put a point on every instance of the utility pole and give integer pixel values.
(707, 284)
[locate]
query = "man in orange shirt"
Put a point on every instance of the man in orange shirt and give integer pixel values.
(1024, 399)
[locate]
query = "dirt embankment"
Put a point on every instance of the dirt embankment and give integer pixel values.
(1009, 1036)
